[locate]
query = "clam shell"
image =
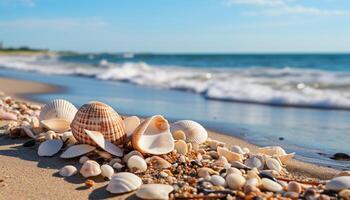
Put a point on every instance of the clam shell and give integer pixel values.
(237, 149)
(131, 123)
(235, 181)
(154, 191)
(153, 136)
(90, 168)
(195, 132)
(137, 162)
(217, 180)
(271, 185)
(124, 182)
(77, 150)
(131, 153)
(49, 147)
(68, 170)
(58, 109)
(273, 164)
(107, 171)
(97, 116)
(56, 125)
(338, 183)
(98, 138)
(229, 155)
(254, 162)
(159, 163)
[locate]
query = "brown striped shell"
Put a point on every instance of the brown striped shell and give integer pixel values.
(97, 116)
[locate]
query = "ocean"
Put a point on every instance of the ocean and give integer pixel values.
(298, 101)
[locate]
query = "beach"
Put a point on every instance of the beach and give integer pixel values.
(27, 176)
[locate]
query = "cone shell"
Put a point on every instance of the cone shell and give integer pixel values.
(97, 116)
(195, 133)
(153, 136)
(58, 108)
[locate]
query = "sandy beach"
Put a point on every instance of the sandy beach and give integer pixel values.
(25, 175)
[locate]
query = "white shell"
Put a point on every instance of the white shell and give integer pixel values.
(229, 155)
(254, 162)
(83, 159)
(77, 150)
(195, 132)
(58, 109)
(56, 125)
(137, 162)
(28, 132)
(273, 164)
(338, 183)
(131, 123)
(237, 149)
(180, 135)
(50, 147)
(235, 181)
(153, 136)
(181, 147)
(69, 137)
(106, 145)
(131, 153)
(218, 180)
(233, 170)
(124, 182)
(107, 171)
(68, 170)
(154, 191)
(270, 185)
(278, 152)
(90, 168)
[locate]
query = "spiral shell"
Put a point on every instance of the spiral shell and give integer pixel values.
(97, 116)
(58, 109)
(195, 132)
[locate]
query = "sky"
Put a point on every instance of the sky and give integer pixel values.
(178, 26)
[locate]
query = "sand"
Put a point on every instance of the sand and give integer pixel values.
(24, 175)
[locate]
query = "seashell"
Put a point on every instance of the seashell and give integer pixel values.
(28, 132)
(90, 168)
(205, 171)
(270, 185)
(104, 154)
(7, 116)
(217, 180)
(338, 183)
(246, 150)
(137, 162)
(114, 160)
(50, 135)
(153, 136)
(77, 150)
(235, 181)
(181, 147)
(68, 170)
(273, 164)
(50, 147)
(278, 152)
(345, 194)
(69, 138)
(98, 138)
(294, 187)
(189, 147)
(254, 162)
(97, 116)
(229, 155)
(34, 122)
(58, 109)
(154, 191)
(56, 125)
(195, 132)
(117, 166)
(233, 170)
(131, 123)
(107, 171)
(237, 149)
(124, 182)
(252, 181)
(83, 159)
(159, 163)
(179, 135)
(285, 158)
(131, 153)
(239, 165)
(220, 162)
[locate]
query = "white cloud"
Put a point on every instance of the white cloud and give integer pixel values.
(64, 23)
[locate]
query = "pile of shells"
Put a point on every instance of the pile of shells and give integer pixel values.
(157, 159)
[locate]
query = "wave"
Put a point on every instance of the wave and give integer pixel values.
(263, 85)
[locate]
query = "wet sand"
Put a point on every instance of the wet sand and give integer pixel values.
(24, 175)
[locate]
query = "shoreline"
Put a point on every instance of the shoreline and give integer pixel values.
(37, 172)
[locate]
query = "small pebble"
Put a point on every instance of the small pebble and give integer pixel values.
(89, 183)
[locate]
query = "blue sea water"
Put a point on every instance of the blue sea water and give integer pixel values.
(229, 93)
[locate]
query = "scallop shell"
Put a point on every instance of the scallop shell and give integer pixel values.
(50, 147)
(153, 136)
(97, 116)
(137, 162)
(229, 155)
(58, 109)
(131, 123)
(124, 182)
(338, 183)
(56, 125)
(68, 170)
(77, 150)
(195, 132)
(154, 191)
(98, 138)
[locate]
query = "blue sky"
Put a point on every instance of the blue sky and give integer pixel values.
(178, 25)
